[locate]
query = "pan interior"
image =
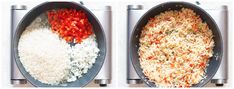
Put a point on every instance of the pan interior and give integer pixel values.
(40, 10)
(215, 60)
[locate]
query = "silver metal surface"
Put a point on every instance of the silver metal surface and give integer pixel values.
(134, 14)
(220, 15)
(102, 81)
(18, 81)
(134, 81)
(17, 13)
(219, 81)
(135, 7)
(18, 7)
(104, 15)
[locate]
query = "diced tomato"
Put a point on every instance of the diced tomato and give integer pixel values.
(151, 25)
(70, 24)
(150, 58)
(152, 19)
(157, 41)
(78, 40)
(194, 26)
(172, 65)
(202, 64)
(165, 78)
(191, 65)
(68, 38)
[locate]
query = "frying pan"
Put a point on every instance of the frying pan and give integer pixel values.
(218, 48)
(97, 29)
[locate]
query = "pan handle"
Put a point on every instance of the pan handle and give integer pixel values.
(198, 3)
(81, 2)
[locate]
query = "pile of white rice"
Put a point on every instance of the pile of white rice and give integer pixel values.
(51, 60)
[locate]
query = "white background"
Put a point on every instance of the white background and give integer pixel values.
(119, 37)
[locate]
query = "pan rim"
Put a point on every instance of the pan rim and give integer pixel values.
(138, 68)
(25, 73)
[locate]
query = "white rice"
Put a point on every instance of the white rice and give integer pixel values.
(51, 60)
(44, 55)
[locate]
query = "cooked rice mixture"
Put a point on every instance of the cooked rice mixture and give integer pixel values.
(51, 60)
(175, 47)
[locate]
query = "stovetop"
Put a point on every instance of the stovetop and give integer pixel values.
(134, 12)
